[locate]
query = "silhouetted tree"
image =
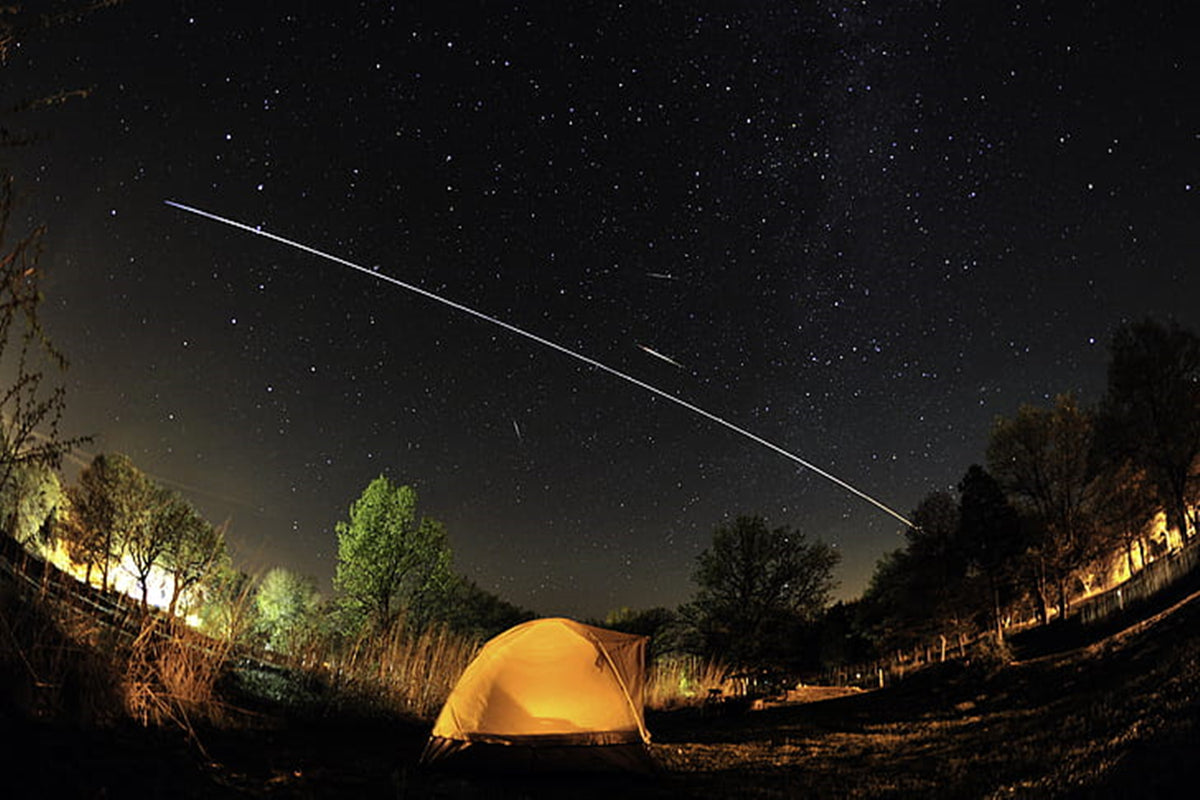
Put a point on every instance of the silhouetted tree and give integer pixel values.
(938, 568)
(470, 609)
(1150, 415)
(758, 587)
(990, 534)
(890, 613)
(1041, 457)
(663, 625)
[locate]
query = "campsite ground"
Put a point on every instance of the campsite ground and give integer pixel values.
(1118, 717)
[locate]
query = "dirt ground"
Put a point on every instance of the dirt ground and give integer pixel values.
(1117, 718)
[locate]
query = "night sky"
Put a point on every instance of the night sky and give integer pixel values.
(862, 231)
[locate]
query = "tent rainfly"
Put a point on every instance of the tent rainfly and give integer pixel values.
(549, 694)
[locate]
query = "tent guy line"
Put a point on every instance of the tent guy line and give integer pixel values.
(591, 362)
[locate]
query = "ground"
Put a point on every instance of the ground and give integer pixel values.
(1114, 718)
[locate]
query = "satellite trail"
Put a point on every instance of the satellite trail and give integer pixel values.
(667, 359)
(257, 231)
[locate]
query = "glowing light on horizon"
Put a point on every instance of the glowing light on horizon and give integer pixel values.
(258, 231)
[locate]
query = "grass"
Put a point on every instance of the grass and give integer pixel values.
(400, 671)
(1114, 717)
(681, 682)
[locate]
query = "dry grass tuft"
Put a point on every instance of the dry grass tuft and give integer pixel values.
(170, 675)
(401, 670)
(682, 681)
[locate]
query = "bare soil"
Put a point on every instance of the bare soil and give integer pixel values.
(1116, 718)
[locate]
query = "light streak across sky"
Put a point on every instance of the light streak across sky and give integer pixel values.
(258, 231)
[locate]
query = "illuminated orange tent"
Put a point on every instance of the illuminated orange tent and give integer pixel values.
(548, 694)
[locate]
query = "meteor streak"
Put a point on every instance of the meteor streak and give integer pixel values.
(591, 362)
(667, 359)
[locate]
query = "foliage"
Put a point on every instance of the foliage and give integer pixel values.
(286, 606)
(843, 638)
(390, 560)
(678, 681)
(29, 411)
(30, 503)
(758, 589)
(1042, 458)
(666, 629)
(227, 610)
(471, 610)
(195, 551)
(107, 504)
(991, 539)
(1150, 416)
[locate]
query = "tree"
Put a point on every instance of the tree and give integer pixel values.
(473, 610)
(1041, 458)
(1127, 502)
(108, 504)
(195, 552)
(937, 566)
(1150, 414)
(29, 413)
(990, 534)
(757, 588)
(228, 601)
(921, 592)
(286, 604)
(148, 539)
(390, 560)
(30, 502)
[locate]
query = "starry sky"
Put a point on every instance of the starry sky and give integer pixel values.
(860, 230)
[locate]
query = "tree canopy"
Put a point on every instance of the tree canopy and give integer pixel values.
(390, 559)
(758, 586)
(1150, 415)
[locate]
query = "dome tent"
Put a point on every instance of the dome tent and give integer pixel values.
(548, 694)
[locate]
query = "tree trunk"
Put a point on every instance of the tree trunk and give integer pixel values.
(942, 636)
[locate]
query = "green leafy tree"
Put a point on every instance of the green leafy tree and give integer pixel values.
(195, 551)
(1150, 415)
(758, 588)
(227, 611)
(390, 559)
(286, 606)
(30, 503)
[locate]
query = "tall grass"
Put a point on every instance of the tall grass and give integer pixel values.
(49, 666)
(170, 674)
(678, 682)
(399, 670)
